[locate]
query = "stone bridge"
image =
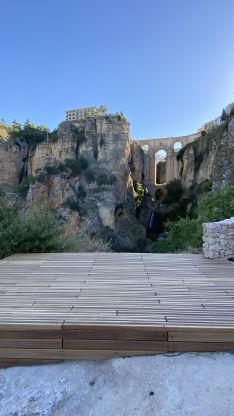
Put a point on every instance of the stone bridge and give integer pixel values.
(165, 151)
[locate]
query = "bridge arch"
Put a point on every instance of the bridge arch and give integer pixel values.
(160, 167)
(171, 145)
(177, 146)
(145, 148)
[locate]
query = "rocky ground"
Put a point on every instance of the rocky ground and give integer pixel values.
(164, 385)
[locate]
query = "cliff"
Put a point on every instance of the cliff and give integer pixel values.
(12, 160)
(88, 175)
(210, 157)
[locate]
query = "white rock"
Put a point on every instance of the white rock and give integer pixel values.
(188, 384)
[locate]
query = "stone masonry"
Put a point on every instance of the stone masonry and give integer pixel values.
(218, 239)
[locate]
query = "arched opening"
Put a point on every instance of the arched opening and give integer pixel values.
(145, 148)
(160, 167)
(177, 146)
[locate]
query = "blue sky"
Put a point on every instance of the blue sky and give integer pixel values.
(168, 65)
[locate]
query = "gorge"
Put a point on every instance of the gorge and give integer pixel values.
(100, 184)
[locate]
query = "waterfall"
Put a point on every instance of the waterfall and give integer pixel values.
(151, 220)
(155, 220)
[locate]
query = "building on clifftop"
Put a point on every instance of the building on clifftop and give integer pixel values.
(81, 113)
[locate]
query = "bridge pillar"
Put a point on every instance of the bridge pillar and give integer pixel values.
(171, 166)
(149, 172)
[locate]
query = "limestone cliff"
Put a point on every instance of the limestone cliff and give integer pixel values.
(13, 156)
(209, 157)
(87, 175)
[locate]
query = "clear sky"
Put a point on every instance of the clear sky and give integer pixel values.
(168, 65)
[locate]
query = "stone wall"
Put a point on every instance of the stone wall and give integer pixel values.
(218, 239)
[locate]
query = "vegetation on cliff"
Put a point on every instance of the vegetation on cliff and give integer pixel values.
(76, 166)
(84, 171)
(29, 132)
(202, 146)
(186, 233)
(211, 155)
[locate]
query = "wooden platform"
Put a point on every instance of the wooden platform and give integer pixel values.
(72, 306)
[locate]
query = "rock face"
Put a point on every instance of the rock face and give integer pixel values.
(87, 175)
(218, 239)
(209, 157)
(223, 167)
(12, 161)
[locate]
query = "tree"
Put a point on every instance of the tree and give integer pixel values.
(224, 115)
(104, 109)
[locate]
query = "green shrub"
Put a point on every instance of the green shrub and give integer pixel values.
(177, 199)
(37, 232)
(52, 170)
(97, 189)
(183, 235)
(81, 191)
(89, 175)
(218, 205)
(75, 165)
(160, 194)
(62, 167)
(73, 205)
(111, 179)
(104, 179)
(53, 136)
(139, 194)
(23, 187)
(78, 135)
(41, 176)
(182, 202)
(29, 132)
(174, 191)
(224, 115)
(83, 163)
(186, 233)
(166, 246)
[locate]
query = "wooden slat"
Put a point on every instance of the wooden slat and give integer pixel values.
(31, 334)
(51, 354)
(114, 334)
(30, 343)
(127, 345)
(202, 336)
(12, 362)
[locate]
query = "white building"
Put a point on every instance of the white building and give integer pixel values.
(217, 121)
(81, 113)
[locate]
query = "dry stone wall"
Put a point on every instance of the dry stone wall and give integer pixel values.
(218, 239)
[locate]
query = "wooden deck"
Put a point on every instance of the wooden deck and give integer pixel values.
(72, 306)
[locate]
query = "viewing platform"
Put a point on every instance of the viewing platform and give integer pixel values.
(101, 305)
